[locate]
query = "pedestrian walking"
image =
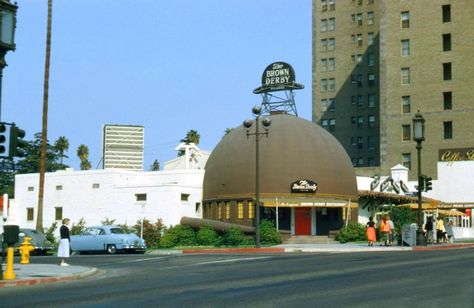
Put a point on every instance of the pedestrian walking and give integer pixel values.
(429, 230)
(370, 231)
(63, 248)
(385, 230)
(439, 230)
(449, 232)
(392, 231)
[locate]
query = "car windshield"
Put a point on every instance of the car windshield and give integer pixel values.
(117, 231)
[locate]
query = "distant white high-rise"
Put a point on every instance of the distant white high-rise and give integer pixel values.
(122, 147)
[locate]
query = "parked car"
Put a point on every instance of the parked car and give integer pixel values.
(38, 240)
(107, 238)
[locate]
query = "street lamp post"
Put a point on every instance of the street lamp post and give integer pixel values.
(419, 137)
(7, 35)
(266, 124)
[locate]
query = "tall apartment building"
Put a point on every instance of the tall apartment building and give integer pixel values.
(377, 62)
(122, 147)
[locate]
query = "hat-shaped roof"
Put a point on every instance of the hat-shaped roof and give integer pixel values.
(294, 149)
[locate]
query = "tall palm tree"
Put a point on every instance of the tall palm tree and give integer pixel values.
(83, 154)
(39, 217)
(62, 145)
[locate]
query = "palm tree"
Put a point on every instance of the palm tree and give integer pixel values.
(83, 154)
(155, 166)
(39, 217)
(62, 145)
(192, 136)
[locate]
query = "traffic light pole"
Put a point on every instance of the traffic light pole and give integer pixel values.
(420, 237)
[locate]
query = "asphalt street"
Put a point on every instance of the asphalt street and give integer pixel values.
(388, 279)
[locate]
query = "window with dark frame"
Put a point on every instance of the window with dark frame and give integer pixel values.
(406, 160)
(30, 213)
(405, 48)
(405, 19)
(447, 42)
(447, 73)
(58, 213)
(448, 130)
(406, 132)
(140, 197)
(448, 100)
(184, 197)
(446, 9)
(406, 104)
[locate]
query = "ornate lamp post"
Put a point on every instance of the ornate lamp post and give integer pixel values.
(7, 35)
(419, 137)
(266, 124)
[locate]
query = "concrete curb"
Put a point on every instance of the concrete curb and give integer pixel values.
(444, 247)
(35, 281)
(309, 249)
(236, 250)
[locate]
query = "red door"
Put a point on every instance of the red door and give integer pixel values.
(302, 221)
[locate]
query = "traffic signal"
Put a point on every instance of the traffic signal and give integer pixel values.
(428, 183)
(17, 144)
(421, 183)
(5, 130)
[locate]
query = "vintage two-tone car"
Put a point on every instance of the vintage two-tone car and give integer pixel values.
(110, 239)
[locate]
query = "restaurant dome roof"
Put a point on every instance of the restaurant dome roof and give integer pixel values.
(294, 149)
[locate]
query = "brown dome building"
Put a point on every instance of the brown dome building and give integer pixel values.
(306, 178)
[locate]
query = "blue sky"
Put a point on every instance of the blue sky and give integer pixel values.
(170, 66)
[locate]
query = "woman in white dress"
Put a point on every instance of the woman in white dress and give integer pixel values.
(63, 248)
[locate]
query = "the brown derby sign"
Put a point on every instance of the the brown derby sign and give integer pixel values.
(277, 75)
(304, 186)
(453, 155)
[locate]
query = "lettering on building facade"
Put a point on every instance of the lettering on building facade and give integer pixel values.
(304, 186)
(452, 155)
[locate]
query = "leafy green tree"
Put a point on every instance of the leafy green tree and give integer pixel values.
(29, 164)
(401, 215)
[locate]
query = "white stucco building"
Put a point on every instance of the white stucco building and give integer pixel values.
(124, 195)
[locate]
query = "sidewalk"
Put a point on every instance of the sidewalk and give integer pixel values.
(32, 274)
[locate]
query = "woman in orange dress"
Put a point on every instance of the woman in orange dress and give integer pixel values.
(370, 231)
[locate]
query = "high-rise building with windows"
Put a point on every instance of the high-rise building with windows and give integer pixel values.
(377, 62)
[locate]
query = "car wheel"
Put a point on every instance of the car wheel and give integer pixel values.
(111, 249)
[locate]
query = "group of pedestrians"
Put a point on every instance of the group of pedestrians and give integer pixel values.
(387, 231)
(444, 234)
